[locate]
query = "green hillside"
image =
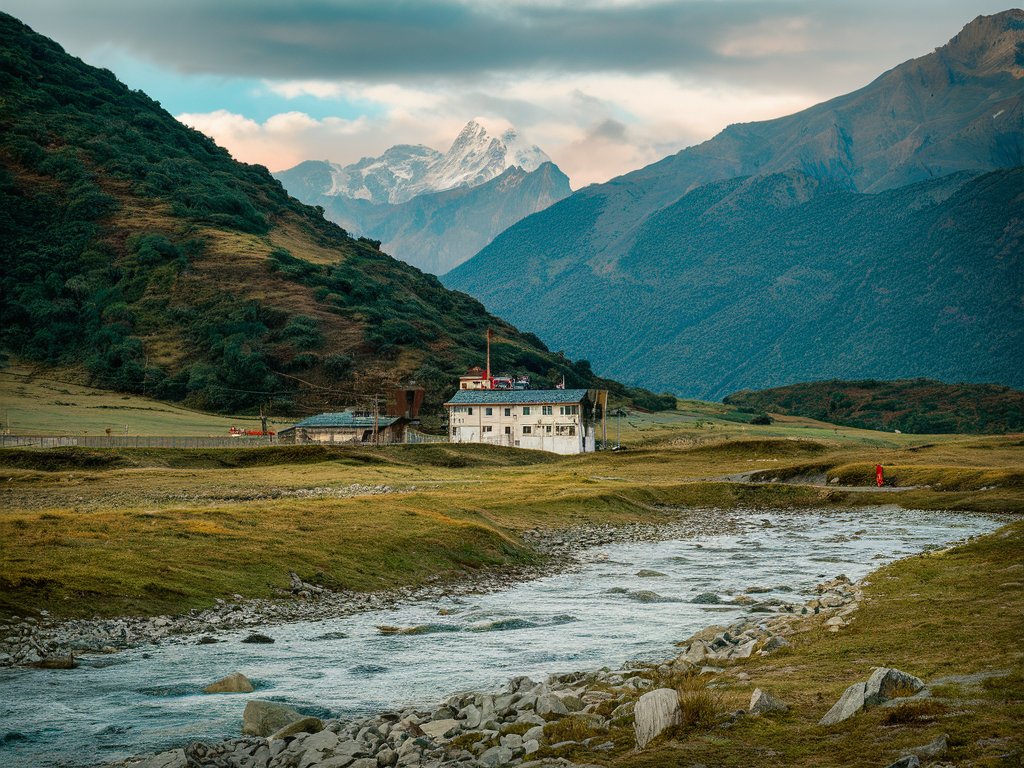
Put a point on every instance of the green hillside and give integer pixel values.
(763, 281)
(916, 405)
(135, 249)
(847, 240)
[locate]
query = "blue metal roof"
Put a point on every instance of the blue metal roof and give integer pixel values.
(516, 396)
(346, 419)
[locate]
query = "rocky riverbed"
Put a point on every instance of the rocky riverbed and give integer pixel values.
(527, 722)
(31, 640)
(627, 593)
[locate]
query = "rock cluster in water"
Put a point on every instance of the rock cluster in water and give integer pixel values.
(527, 723)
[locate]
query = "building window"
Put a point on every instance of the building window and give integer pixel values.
(488, 411)
(569, 410)
(545, 410)
(470, 410)
(548, 429)
(527, 430)
(508, 411)
(508, 430)
(566, 429)
(526, 410)
(488, 429)
(463, 385)
(455, 431)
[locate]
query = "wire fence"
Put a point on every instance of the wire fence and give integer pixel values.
(412, 437)
(101, 441)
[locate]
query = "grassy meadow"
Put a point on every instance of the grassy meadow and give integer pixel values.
(110, 531)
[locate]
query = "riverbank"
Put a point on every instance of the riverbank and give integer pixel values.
(34, 640)
(951, 617)
(87, 533)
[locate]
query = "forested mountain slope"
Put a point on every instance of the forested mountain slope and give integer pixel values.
(849, 240)
(136, 250)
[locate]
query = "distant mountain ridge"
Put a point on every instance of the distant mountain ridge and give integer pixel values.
(850, 239)
(406, 170)
(434, 210)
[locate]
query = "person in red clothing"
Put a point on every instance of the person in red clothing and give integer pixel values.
(879, 476)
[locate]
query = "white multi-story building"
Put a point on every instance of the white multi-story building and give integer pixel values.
(557, 420)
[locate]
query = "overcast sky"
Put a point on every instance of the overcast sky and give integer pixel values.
(603, 86)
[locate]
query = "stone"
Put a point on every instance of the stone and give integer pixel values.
(530, 746)
(496, 756)
(849, 704)
(933, 748)
(439, 729)
(236, 682)
(706, 598)
(256, 637)
(471, 716)
(550, 704)
(262, 718)
(743, 651)
(910, 761)
(57, 662)
(886, 683)
(647, 573)
(207, 640)
(655, 712)
(172, 759)
(534, 734)
(363, 762)
(305, 725)
(762, 702)
(774, 643)
(387, 757)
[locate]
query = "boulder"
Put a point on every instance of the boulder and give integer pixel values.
(173, 759)
(655, 712)
(57, 662)
(886, 683)
(933, 748)
(236, 682)
(305, 725)
(647, 573)
(849, 704)
(762, 702)
(774, 643)
(439, 729)
(910, 761)
(262, 718)
(550, 704)
(256, 637)
(707, 598)
(496, 756)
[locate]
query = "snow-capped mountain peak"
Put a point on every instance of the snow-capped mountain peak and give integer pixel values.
(483, 150)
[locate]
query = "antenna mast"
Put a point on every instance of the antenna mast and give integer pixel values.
(490, 384)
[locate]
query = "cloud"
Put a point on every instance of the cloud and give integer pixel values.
(281, 141)
(603, 86)
(401, 41)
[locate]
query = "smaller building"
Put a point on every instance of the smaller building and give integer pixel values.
(346, 427)
(557, 420)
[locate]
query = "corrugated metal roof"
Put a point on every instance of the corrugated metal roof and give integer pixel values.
(516, 396)
(346, 419)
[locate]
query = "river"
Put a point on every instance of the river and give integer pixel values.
(603, 614)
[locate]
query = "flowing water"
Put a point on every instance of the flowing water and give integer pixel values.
(148, 699)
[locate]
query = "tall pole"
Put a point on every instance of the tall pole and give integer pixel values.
(376, 420)
(489, 358)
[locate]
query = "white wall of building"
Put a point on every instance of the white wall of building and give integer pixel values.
(558, 428)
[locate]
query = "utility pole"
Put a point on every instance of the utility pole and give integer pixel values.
(376, 419)
(263, 420)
